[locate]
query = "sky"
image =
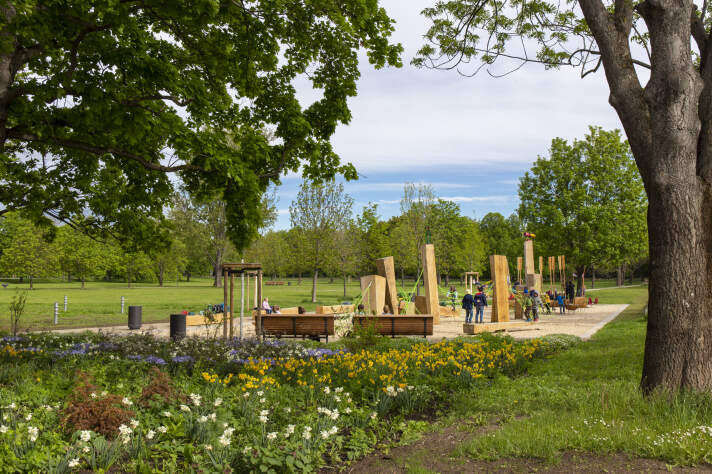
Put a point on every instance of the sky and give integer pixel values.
(470, 138)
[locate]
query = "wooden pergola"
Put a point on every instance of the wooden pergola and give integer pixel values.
(248, 269)
(470, 278)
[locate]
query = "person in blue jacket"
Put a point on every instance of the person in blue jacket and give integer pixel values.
(480, 303)
(560, 300)
(467, 304)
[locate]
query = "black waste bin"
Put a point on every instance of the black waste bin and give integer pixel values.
(177, 326)
(135, 317)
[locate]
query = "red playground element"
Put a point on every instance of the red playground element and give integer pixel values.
(529, 235)
(589, 301)
(596, 300)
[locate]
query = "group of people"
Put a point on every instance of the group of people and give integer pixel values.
(478, 301)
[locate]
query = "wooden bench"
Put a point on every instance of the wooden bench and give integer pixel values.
(293, 325)
(274, 283)
(399, 325)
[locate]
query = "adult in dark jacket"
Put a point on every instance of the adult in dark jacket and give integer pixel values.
(480, 303)
(467, 304)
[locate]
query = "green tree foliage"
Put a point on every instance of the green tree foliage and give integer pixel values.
(318, 212)
(448, 237)
(100, 103)
(374, 241)
(586, 201)
(79, 256)
(502, 237)
(28, 254)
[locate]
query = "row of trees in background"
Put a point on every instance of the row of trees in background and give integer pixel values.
(585, 200)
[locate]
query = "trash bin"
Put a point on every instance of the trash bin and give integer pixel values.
(177, 326)
(135, 317)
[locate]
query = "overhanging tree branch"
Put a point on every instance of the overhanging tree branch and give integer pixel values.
(77, 145)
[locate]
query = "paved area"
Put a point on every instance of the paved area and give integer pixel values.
(582, 323)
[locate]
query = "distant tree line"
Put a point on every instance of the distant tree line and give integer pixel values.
(585, 201)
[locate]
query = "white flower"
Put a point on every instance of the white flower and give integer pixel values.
(410, 387)
(126, 401)
(208, 447)
(212, 416)
(28, 417)
(161, 429)
(324, 434)
(263, 419)
(217, 402)
(247, 450)
(125, 430)
(134, 423)
(374, 415)
(347, 410)
(86, 449)
(337, 398)
(5, 417)
(334, 414)
(73, 463)
(185, 408)
(12, 406)
(33, 432)
(224, 440)
(327, 390)
(224, 425)
(150, 434)
(306, 434)
(3, 429)
(167, 414)
(272, 435)
(85, 435)
(195, 398)
(288, 410)
(339, 389)
(264, 413)
(104, 393)
(333, 430)
(202, 419)
(262, 400)
(229, 431)
(260, 393)
(92, 395)
(246, 394)
(290, 430)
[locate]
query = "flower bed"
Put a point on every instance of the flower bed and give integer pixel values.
(99, 402)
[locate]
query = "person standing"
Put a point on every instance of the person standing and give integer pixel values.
(467, 304)
(480, 303)
(536, 303)
(560, 301)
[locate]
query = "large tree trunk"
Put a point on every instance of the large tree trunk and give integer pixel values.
(402, 278)
(217, 270)
(580, 275)
(316, 275)
(161, 272)
(678, 345)
(619, 275)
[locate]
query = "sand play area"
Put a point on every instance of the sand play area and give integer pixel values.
(583, 323)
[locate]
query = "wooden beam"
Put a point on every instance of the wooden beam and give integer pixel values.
(430, 281)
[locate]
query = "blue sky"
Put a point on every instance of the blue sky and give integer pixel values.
(470, 138)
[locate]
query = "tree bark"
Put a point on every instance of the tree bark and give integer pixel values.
(344, 286)
(31, 285)
(580, 275)
(299, 280)
(316, 275)
(593, 277)
(160, 276)
(619, 275)
(217, 270)
(83, 282)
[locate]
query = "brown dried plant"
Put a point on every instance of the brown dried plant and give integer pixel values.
(160, 387)
(101, 414)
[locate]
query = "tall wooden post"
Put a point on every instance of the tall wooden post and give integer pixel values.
(430, 281)
(541, 266)
(386, 269)
(225, 304)
(258, 295)
(247, 292)
(232, 307)
(500, 295)
(519, 270)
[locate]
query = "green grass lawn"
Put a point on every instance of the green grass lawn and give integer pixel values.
(100, 302)
(587, 399)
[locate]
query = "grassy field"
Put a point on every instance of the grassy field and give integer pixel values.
(100, 302)
(585, 399)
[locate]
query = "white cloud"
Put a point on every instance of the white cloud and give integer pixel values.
(478, 198)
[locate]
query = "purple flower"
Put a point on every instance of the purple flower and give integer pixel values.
(183, 359)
